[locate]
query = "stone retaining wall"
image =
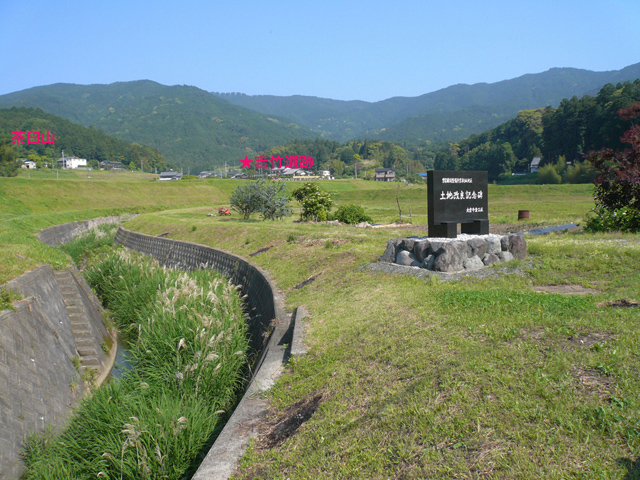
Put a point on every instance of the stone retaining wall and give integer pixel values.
(450, 255)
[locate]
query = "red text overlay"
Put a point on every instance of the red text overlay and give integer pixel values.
(32, 137)
(290, 161)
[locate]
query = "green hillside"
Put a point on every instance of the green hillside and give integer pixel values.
(575, 127)
(450, 114)
(75, 140)
(192, 128)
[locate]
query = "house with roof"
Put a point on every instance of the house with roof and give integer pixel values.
(167, 176)
(28, 164)
(535, 164)
(108, 165)
(71, 163)
(384, 175)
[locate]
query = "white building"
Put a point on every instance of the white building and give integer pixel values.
(72, 162)
(29, 164)
(535, 164)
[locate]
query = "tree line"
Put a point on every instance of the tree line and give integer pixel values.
(570, 131)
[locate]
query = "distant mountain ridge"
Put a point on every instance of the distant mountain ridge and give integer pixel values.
(449, 114)
(200, 130)
(191, 127)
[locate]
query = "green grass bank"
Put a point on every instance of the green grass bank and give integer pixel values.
(469, 379)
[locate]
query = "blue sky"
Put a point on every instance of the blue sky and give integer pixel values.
(346, 50)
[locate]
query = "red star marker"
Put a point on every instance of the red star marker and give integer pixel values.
(246, 163)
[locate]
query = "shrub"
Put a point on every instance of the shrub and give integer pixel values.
(267, 197)
(316, 203)
(548, 175)
(274, 202)
(581, 172)
(245, 200)
(617, 192)
(352, 214)
(601, 219)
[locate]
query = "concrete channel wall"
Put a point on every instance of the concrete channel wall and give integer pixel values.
(61, 234)
(54, 335)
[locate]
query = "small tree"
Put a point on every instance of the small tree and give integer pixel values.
(266, 197)
(315, 202)
(245, 200)
(274, 201)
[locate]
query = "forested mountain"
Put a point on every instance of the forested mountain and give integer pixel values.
(198, 130)
(190, 126)
(75, 140)
(450, 114)
(575, 127)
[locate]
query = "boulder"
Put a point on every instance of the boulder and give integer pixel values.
(406, 244)
(517, 246)
(407, 259)
(421, 250)
(478, 246)
(435, 246)
(505, 256)
(504, 243)
(472, 263)
(428, 262)
(490, 259)
(493, 244)
(463, 248)
(448, 259)
(389, 254)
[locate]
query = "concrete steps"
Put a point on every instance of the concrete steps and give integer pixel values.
(87, 345)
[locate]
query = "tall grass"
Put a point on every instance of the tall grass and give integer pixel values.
(188, 345)
(91, 243)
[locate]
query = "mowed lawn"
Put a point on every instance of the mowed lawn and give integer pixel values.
(423, 379)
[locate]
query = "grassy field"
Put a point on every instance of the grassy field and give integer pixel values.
(428, 379)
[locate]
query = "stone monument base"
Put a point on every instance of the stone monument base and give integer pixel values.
(449, 255)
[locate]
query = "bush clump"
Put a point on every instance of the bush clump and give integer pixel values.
(266, 197)
(316, 203)
(352, 214)
(617, 185)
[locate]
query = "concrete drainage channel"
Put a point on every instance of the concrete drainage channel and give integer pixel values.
(271, 331)
(266, 314)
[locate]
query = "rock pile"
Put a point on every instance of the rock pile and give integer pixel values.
(467, 252)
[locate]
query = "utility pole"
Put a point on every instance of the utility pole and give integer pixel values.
(355, 166)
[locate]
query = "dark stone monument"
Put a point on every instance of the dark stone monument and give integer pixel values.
(457, 197)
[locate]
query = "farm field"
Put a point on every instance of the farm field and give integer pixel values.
(409, 378)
